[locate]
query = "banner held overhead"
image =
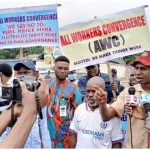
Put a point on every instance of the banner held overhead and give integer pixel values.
(113, 36)
(29, 26)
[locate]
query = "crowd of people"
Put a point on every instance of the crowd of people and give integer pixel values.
(62, 113)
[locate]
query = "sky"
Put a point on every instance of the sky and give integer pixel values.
(73, 11)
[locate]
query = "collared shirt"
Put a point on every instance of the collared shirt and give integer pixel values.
(83, 81)
(139, 132)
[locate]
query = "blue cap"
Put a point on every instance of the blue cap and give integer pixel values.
(27, 63)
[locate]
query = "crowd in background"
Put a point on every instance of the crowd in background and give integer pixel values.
(83, 113)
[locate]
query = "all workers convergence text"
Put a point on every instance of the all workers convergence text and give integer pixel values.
(105, 29)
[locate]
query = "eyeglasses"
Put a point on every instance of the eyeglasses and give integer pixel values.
(90, 67)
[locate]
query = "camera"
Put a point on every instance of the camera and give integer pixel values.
(14, 92)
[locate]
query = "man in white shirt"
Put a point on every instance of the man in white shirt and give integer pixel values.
(87, 128)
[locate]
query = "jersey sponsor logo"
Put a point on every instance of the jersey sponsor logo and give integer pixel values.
(95, 134)
(103, 125)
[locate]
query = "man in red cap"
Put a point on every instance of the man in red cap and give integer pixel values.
(137, 133)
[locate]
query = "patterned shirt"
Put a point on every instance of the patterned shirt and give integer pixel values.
(63, 100)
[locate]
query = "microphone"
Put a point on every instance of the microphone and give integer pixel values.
(131, 98)
(144, 101)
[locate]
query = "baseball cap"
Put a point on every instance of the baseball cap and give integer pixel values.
(92, 66)
(144, 59)
(27, 63)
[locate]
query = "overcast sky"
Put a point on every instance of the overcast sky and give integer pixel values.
(73, 11)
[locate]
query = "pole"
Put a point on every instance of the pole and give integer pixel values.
(21, 54)
(111, 80)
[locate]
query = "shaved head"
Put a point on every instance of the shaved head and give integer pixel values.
(98, 81)
(94, 87)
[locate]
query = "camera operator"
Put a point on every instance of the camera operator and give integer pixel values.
(20, 131)
(39, 136)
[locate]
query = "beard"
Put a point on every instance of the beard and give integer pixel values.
(93, 105)
(61, 78)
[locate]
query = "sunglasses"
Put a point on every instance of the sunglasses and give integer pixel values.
(90, 67)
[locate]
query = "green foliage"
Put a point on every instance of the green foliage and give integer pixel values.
(130, 58)
(14, 53)
(34, 50)
(9, 53)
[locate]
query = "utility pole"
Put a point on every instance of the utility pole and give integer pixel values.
(21, 54)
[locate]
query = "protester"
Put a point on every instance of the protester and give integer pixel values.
(20, 131)
(87, 128)
(64, 97)
(39, 136)
(72, 76)
(47, 77)
(137, 134)
(94, 70)
(116, 79)
(132, 78)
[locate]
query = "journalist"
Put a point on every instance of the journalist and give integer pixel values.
(137, 134)
(39, 135)
(20, 131)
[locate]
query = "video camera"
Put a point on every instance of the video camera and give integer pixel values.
(14, 92)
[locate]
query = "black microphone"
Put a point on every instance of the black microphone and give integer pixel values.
(131, 98)
(131, 91)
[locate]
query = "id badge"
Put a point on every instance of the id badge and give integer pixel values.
(63, 111)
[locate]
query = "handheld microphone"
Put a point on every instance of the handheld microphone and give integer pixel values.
(131, 98)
